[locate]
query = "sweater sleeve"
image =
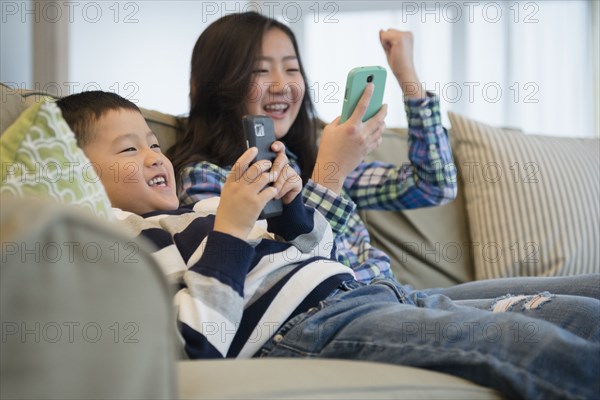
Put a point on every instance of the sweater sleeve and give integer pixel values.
(337, 209)
(303, 227)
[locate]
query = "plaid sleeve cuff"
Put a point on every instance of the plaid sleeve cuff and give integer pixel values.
(425, 181)
(201, 181)
(335, 208)
(423, 114)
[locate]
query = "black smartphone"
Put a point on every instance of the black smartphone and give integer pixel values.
(259, 132)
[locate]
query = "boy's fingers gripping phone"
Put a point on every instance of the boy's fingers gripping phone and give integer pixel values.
(260, 133)
(358, 78)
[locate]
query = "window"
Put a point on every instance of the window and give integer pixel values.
(521, 64)
(517, 63)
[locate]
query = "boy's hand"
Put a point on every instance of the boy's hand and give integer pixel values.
(344, 146)
(288, 183)
(398, 47)
(244, 195)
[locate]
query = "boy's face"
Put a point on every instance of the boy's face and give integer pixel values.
(126, 155)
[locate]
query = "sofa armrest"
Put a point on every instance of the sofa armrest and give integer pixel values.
(86, 312)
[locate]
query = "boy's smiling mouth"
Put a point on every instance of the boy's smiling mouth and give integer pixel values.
(158, 180)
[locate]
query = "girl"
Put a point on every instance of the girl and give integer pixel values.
(249, 64)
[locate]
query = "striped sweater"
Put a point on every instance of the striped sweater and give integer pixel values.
(233, 295)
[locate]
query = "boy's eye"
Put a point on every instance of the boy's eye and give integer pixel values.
(155, 146)
(128, 149)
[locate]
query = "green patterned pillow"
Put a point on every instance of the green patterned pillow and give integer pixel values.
(40, 158)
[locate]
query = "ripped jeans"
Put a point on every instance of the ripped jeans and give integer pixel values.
(570, 302)
(549, 349)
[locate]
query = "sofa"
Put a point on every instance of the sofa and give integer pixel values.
(508, 219)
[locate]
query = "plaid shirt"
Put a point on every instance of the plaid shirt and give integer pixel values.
(428, 180)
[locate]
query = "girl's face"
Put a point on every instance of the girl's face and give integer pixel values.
(277, 86)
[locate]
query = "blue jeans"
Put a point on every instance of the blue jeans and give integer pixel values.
(576, 285)
(571, 299)
(515, 351)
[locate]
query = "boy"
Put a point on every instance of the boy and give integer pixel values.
(250, 291)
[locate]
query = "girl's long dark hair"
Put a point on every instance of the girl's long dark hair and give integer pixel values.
(222, 64)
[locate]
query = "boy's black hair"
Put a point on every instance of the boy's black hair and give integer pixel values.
(82, 110)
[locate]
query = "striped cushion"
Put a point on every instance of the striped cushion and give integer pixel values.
(532, 201)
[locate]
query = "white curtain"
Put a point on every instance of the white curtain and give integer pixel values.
(520, 64)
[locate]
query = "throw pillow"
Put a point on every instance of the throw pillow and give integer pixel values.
(40, 158)
(531, 200)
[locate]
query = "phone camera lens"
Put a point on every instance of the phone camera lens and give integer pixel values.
(259, 130)
(370, 78)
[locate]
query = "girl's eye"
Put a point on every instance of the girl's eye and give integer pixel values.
(128, 149)
(260, 71)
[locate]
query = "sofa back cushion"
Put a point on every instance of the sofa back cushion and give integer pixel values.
(429, 247)
(15, 101)
(531, 200)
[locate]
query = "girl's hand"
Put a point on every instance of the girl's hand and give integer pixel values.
(398, 47)
(344, 146)
(288, 183)
(244, 195)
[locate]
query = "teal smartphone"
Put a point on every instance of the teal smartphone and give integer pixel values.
(355, 85)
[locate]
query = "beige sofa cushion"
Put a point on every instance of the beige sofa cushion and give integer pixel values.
(531, 200)
(319, 379)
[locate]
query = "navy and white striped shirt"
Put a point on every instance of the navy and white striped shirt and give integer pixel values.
(233, 295)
